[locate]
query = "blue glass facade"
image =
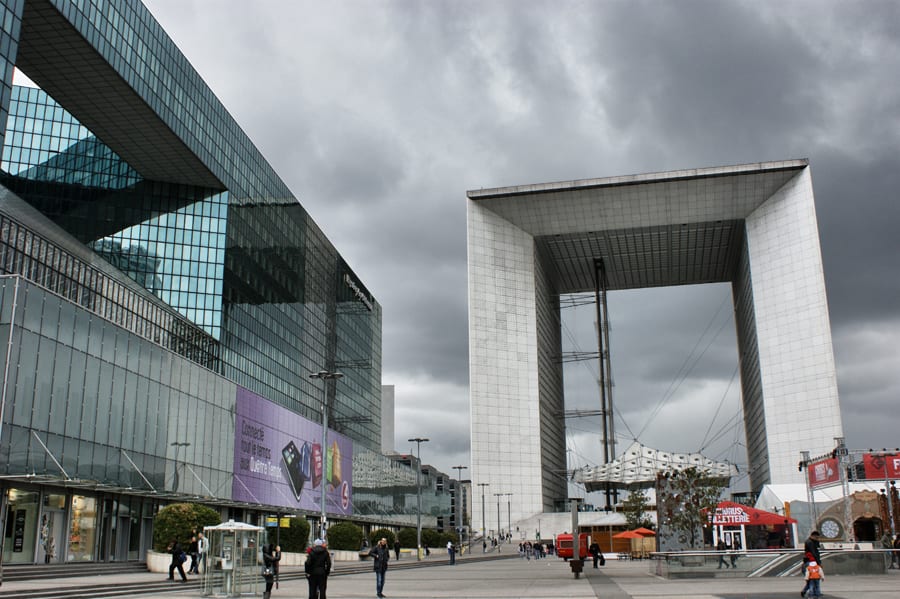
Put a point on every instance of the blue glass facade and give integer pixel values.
(152, 263)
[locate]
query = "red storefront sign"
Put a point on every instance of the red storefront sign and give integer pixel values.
(823, 473)
(881, 466)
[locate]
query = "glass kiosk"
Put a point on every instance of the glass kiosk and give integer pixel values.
(233, 563)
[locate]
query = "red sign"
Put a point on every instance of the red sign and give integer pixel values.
(882, 466)
(729, 513)
(823, 473)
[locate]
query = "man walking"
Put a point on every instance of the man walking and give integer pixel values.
(451, 551)
(380, 555)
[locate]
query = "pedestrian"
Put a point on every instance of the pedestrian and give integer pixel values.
(178, 558)
(202, 549)
(895, 555)
(888, 544)
(271, 557)
(734, 554)
(380, 555)
(814, 577)
(594, 550)
(484, 545)
(721, 547)
(810, 554)
(195, 555)
(397, 548)
(451, 551)
(318, 567)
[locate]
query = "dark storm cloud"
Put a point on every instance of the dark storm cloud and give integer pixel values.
(380, 115)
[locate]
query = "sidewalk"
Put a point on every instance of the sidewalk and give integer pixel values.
(515, 578)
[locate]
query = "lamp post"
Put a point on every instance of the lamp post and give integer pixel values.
(483, 515)
(177, 445)
(324, 376)
(459, 510)
(498, 496)
(418, 441)
(508, 514)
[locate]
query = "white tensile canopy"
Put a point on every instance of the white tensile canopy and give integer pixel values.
(639, 465)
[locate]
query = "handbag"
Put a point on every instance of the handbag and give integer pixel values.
(267, 571)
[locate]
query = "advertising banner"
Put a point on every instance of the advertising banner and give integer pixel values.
(881, 466)
(279, 459)
(824, 473)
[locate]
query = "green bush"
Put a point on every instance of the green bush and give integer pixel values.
(379, 534)
(407, 537)
(345, 536)
(293, 539)
(431, 538)
(178, 521)
(451, 537)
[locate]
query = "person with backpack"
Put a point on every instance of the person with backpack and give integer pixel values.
(810, 554)
(814, 576)
(318, 567)
(178, 559)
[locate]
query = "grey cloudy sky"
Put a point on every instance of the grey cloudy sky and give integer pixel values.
(380, 115)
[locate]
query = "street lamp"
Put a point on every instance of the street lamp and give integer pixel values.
(508, 512)
(498, 496)
(459, 511)
(483, 515)
(177, 445)
(325, 376)
(418, 441)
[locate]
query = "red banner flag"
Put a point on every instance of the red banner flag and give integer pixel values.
(824, 473)
(881, 466)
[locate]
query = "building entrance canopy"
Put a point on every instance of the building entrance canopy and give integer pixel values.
(730, 513)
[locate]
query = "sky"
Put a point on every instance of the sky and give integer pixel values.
(380, 115)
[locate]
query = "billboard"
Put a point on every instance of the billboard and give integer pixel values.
(881, 466)
(279, 459)
(823, 473)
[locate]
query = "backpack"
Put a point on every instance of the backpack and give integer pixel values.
(815, 572)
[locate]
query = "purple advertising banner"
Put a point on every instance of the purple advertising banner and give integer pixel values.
(279, 459)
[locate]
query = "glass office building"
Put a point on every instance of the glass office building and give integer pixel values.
(163, 300)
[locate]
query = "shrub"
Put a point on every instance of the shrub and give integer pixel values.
(449, 536)
(407, 537)
(345, 536)
(178, 521)
(377, 535)
(431, 538)
(295, 538)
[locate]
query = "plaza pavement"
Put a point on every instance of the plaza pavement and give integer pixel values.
(515, 578)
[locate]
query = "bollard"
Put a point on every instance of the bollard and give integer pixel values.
(577, 565)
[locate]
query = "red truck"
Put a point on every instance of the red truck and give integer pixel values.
(564, 547)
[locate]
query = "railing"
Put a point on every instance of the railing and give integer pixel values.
(774, 562)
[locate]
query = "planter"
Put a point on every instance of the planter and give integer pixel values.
(158, 562)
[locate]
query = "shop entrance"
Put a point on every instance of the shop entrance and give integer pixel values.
(20, 530)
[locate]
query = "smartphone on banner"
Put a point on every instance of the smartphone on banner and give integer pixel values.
(292, 459)
(317, 465)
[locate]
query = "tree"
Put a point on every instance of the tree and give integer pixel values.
(685, 499)
(345, 536)
(178, 521)
(407, 537)
(294, 538)
(431, 537)
(382, 533)
(635, 508)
